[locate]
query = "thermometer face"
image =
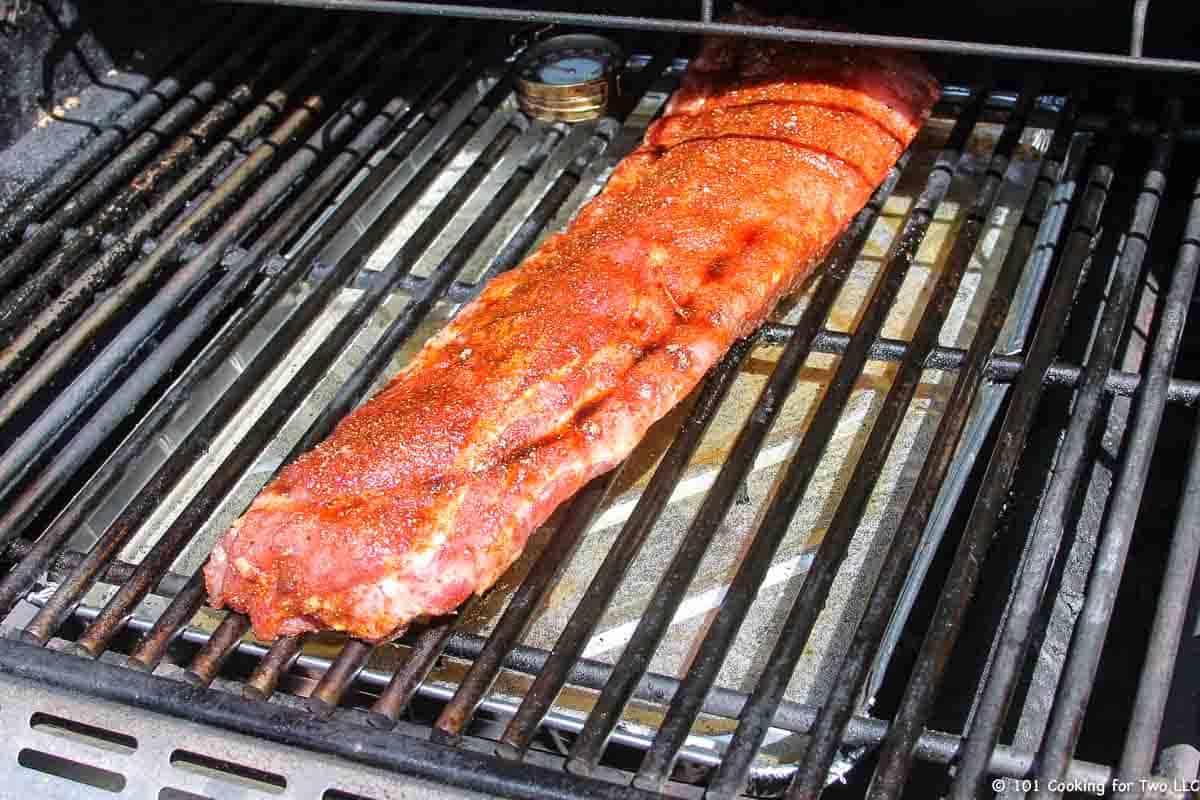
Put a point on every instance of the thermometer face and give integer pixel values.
(573, 69)
(565, 67)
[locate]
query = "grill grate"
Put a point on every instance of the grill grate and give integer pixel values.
(294, 188)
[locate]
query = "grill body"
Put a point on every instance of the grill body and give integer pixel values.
(931, 531)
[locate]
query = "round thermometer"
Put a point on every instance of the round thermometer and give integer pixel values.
(568, 78)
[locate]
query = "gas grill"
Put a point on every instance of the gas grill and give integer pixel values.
(931, 531)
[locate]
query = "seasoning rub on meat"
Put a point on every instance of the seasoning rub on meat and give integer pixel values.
(429, 491)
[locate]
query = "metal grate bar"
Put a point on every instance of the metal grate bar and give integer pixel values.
(999, 368)
(850, 510)
(772, 32)
(831, 726)
(580, 512)
(30, 362)
(72, 401)
(276, 661)
(1075, 687)
(686, 705)
(1137, 33)
(589, 746)
(96, 638)
(1141, 739)
(216, 650)
(159, 362)
(393, 116)
(153, 644)
(448, 143)
(570, 643)
(207, 50)
(1004, 368)
(1073, 455)
(337, 679)
(407, 680)
(519, 613)
(19, 302)
(896, 758)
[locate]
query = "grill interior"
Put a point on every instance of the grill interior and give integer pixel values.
(881, 543)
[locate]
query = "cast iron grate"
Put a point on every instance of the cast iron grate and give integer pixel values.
(131, 283)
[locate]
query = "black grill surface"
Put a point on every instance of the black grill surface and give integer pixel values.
(1025, 632)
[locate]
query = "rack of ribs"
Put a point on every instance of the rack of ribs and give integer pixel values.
(429, 491)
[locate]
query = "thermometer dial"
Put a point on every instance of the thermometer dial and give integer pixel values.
(568, 78)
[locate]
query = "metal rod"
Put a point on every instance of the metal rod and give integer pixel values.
(132, 195)
(196, 443)
(204, 217)
(407, 680)
(1091, 629)
(776, 519)
(600, 592)
(686, 705)
(448, 727)
(95, 639)
(895, 759)
(590, 745)
(102, 422)
(276, 661)
(934, 746)
(154, 642)
(1137, 33)
(832, 724)
(393, 116)
(1073, 456)
(809, 783)
(337, 679)
(223, 642)
(1142, 736)
(772, 32)
(999, 369)
(39, 196)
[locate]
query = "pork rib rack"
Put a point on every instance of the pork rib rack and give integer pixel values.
(429, 491)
